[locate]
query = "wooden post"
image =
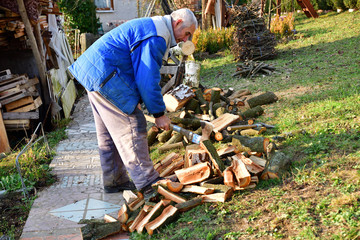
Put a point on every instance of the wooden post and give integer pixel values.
(35, 50)
(203, 17)
(278, 8)
(4, 142)
(39, 42)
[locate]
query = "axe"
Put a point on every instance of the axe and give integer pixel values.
(206, 129)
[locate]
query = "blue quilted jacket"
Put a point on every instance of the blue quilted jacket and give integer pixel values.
(123, 65)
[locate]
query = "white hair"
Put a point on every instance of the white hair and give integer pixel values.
(186, 15)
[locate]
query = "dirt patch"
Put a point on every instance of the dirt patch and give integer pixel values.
(14, 210)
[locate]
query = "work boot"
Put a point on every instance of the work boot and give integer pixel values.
(148, 191)
(117, 188)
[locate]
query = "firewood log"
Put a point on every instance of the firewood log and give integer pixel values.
(194, 174)
(215, 159)
(155, 212)
(129, 196)
(174, 186)
(223, 121)
(188, 122)
(251, 166)
(254, 144)
(167, 215)
(168, 147)
(216, 197)
(123, 213)
(265, 98)
(177, 98)
(197, 189)
(241, 173)
(193, 104)
(175, 165)
(195, 154)
(239, 93)
(151, 135)
(143, 212)
(164, 136)
(163, 163)
(95, 229)
(169, 195)
(252, 112)
(229, 179)
(202, 101)
(258, 160)
(108, 218)
(186, 206)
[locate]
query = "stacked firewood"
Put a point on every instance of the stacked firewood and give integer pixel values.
(252, 39)
(203, 173)
(19, 100)
(251, 68)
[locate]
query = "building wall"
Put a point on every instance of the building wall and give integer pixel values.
(123, 10)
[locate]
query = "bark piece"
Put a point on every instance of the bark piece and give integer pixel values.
(177, 98)
(214, 156)
(265, 98)
(185, 206)
(239, 93)
(137, 203)
(194, 174)
(223, 121)
(167, 215)
(268, 175)
(198, 189)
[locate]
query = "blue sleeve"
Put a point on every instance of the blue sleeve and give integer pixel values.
(147, 61)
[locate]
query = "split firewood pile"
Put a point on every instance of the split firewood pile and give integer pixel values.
(252, 39)
(249, 69)
(19, 100)
(203, 173)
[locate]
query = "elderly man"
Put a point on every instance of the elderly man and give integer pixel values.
(120, 71)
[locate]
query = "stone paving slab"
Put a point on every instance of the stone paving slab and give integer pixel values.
(79, 180)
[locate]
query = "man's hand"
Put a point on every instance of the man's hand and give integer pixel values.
(163, 122)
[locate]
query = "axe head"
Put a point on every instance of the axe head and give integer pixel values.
(206, 129)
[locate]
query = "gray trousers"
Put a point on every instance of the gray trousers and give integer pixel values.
(123, 146)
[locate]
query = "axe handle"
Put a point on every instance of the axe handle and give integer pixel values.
(241, 127)
(193, 137)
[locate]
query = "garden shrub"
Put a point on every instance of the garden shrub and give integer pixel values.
(350, 3)
(282, 26)
(322, 4)
(358, 4)
(338, 4)
(212, 40)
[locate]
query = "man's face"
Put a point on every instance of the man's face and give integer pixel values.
(182, 34)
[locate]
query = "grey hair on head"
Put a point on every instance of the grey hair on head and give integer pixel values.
(186, 15)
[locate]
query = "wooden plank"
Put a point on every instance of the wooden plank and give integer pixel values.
(13, 81)
(10, 92)
(17, 97)
(20, 115)
(223, 121)
(4, 141)
(19, 103)
(37, 103)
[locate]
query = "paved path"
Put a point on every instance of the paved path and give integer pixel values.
(78, 193)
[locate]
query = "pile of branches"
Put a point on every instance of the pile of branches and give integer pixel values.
(252, 39)
(250, 69)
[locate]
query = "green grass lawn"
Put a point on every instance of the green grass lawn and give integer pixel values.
(318, 85)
